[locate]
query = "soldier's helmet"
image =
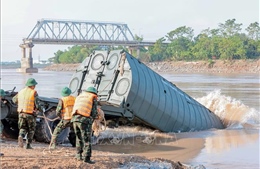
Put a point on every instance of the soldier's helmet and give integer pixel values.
(31, 82)
(92, 90)
(65, 91)
(2, 93)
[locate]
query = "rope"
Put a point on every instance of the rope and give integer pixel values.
(57, 152)
(44, 117)
(57, 118)
(48, 119)
(105, 124)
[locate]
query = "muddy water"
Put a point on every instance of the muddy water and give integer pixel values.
(233, 97)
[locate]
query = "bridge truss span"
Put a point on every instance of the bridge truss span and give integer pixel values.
(79, 32)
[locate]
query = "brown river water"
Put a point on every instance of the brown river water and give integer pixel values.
(235, 98)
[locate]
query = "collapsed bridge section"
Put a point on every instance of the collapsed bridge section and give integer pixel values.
(128, 88)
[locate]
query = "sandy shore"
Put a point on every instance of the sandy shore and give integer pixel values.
(63, 157)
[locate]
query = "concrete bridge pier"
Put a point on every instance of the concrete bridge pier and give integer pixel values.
(130, 49)
(138, 53)
(27, 62)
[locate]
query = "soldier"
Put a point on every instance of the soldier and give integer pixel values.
(64, 110)
(28, 104)
(2, 94)
(84, 111)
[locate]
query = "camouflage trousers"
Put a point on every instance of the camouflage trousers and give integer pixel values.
(1, 128)
(27, 125)
(59, 128)
(83, 132)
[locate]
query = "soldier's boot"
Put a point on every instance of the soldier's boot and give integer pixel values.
(20, 141)
(28, 146)
(87, 160)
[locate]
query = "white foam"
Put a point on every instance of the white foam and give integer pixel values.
(232, 112)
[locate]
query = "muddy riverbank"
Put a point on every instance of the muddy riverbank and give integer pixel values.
(217, 66)
(64, 157)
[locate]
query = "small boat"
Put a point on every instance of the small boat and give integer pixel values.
(130, 90)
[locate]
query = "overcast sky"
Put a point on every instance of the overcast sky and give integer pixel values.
(151, 19)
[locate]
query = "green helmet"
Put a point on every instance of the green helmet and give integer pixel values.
(92, 90)
(65, 91)
(31, 82)
(2, 93)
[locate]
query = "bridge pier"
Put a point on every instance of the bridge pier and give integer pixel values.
(130, 49)
(27, 63)
(138, 53)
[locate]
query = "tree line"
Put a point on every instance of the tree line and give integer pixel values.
(227, 42)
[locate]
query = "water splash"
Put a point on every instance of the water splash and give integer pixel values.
(232, 112)
(123, 135)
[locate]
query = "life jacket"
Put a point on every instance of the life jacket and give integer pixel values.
(26, 98)
(67, 107)
(83, 104)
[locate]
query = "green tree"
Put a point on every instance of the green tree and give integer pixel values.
(232, 48)
(56, 58)
(180, 32)
(253, 31)
(202, 48)
(181, 43)
(252, 48)
(207, 44)
(230, 28)
(158, 51)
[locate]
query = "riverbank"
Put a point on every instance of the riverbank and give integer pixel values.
(64, 157)
(217, 66)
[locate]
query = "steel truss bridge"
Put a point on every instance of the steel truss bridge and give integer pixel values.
(65, 32)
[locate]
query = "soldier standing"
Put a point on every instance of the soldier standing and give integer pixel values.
(64, 110)
(2, 94)
(84, 112)
(28, 103)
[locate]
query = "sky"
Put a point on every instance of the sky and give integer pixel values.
(151, 19)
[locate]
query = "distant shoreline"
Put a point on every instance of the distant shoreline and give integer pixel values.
(218, 66)
(18, 65)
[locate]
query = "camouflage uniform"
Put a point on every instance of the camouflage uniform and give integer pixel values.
(2, 94)
(1, 124)
(27, 122)
(83, 130)
(27, 125)
(60, 127)
(64, 110)
(1, 130)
